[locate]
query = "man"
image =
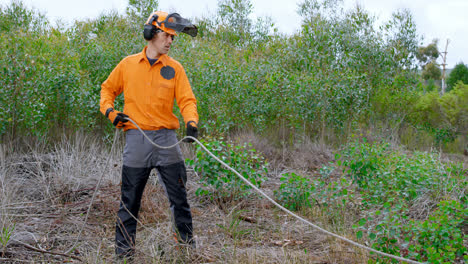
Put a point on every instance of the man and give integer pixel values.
(150, 81)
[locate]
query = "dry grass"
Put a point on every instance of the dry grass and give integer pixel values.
(45, 196)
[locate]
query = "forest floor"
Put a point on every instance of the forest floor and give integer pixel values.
(46, 195)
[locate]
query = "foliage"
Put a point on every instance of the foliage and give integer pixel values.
(439, 238)
(436, 239)
(52, 76)
(5, 236)
(431, 86)
(398, 182)
(458, 74)
(444, 116)
(386, 188)
(38, 90)
(337, 74)
(337, 197)
(428, 54)
(235, 14)
(294, 191)
(427, 57)
(431, 71)
(219, 182)
(17, 17)
(334, 75)
(139, 10)
(401, 35)
(234, 26)
(388, 175)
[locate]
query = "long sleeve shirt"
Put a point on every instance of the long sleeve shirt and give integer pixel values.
(149, 92)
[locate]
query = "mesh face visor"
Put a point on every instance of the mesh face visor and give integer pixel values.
(176, 22)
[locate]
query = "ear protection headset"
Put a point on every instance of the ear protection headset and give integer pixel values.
(149, 29)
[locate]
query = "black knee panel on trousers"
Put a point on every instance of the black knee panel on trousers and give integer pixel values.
(174, 177)
(133, 185)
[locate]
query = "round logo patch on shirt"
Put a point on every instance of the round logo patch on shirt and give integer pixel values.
(167, 72)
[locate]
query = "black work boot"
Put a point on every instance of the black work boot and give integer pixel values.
(189, 243)
(125, 256)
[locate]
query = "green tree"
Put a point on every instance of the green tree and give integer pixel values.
(233, 23)
(17, 16)
(459, 73)
(428, 54)
(431, 71)
(235, 14)
(402, 38)
(139, 10)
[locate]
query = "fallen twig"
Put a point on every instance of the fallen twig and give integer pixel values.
(247, 219)
(48, 252)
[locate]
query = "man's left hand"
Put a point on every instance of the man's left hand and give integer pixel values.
(192, 131)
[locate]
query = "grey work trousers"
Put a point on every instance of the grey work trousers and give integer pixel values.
(139, 158)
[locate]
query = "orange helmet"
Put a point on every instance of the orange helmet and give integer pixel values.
(169, 23)
(157, 19)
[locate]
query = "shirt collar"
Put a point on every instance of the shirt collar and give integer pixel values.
(162, 58)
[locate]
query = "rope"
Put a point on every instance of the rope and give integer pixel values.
(273, 201)
(248, 183)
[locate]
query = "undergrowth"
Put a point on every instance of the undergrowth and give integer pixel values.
(411, 205)
(218, 182)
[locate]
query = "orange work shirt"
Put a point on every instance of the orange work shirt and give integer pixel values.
(149, 92)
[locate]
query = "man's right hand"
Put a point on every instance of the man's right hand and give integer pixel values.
(117, 118)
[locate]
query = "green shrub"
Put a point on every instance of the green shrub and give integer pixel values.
(220, 183)
(439, 238)
(392, 185)
(362, 161)
(458, 74)
(445, 117)
(294, 192)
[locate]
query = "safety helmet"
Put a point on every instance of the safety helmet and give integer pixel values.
(169, 23)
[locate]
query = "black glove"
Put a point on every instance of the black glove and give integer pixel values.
(117, 118)
(192, 131)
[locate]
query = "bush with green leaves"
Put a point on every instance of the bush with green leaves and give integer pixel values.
(52, 75)
(220, 183)
(439, 238)
(338, 198)
(458, 74)
(436, 239)
(294, 191)
(385, 173)
(40, 78)
(444, 117)
(396, 190)
(413, 206)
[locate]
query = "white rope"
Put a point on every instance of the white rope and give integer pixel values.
(273, 201)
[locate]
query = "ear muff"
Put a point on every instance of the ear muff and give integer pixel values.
(149, 31)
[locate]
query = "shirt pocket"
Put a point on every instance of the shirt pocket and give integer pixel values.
(165, 90)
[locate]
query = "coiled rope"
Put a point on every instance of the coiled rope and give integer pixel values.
(256, 189)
